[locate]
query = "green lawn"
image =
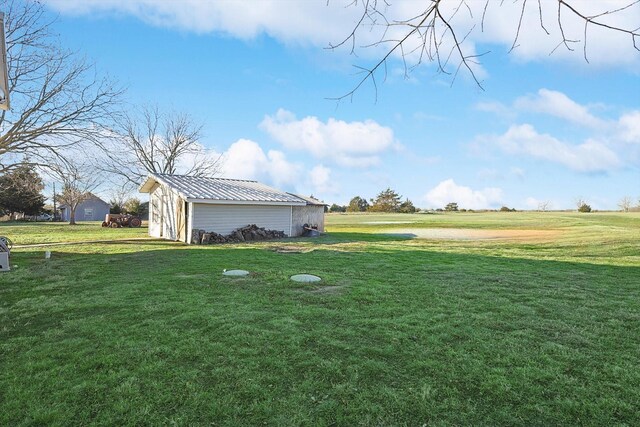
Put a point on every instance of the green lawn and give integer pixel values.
(401, 331)
(29, 233)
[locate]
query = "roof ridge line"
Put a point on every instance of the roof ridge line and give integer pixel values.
(205, 177)
(203, 188)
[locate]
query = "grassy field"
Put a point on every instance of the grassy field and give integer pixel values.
(30, 233)
(535, 324)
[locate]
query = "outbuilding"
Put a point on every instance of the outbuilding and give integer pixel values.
(179, 204)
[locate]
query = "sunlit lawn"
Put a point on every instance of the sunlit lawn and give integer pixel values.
(27, 233)
(401, 331)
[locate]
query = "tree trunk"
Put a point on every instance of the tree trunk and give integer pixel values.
(72, 216)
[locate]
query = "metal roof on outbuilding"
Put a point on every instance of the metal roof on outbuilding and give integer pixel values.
(221, 190)
(311, 201)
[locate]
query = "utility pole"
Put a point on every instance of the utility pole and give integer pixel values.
(55, 210)
(4, 77)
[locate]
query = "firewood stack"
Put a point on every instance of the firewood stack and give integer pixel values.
(244, 234)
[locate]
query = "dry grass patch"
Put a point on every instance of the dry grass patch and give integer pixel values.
(291, 249)
(476, 234)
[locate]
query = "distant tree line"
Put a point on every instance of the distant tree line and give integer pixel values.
(391, 202)
(386, 201)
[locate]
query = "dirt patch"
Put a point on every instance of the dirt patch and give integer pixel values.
(387, 222)
(291, 249)
(474, 234)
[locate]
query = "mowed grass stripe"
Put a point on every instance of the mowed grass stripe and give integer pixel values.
(399, 332)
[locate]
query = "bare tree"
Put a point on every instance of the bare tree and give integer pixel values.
(57, 98)
(152, 142)
(117, 199)
(433, 33)
(625, 204)
(78, 180)
(544, 205)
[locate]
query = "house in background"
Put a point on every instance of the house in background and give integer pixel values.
(179, 204)
(93, 209)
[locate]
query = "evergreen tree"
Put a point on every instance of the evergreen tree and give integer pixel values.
(451, 207)
(21, 191)
(407, 207)
(115, 208)
(387, 201)
(584, 208)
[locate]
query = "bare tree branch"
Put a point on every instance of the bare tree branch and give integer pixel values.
(625, 204)
(423, 37)
(152, 142)
(57, 98)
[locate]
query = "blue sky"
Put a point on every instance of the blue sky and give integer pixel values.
(545, 128)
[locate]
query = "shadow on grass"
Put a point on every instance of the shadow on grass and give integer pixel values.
(355, 237)
(158, 335)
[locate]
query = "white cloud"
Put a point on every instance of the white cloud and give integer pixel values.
(448, 191)
(245, 159)
(532, 203)
(603, 47)
(280, 169)
(559, 105)
(603, 150)
(590, 156)
(539, 204)
(319, 24)
(288, 21)
(629, 127)
(354, 144)
(197, 155)
(321, 182)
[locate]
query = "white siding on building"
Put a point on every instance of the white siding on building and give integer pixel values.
(223, 219)
(162, 213)
(155, 212)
